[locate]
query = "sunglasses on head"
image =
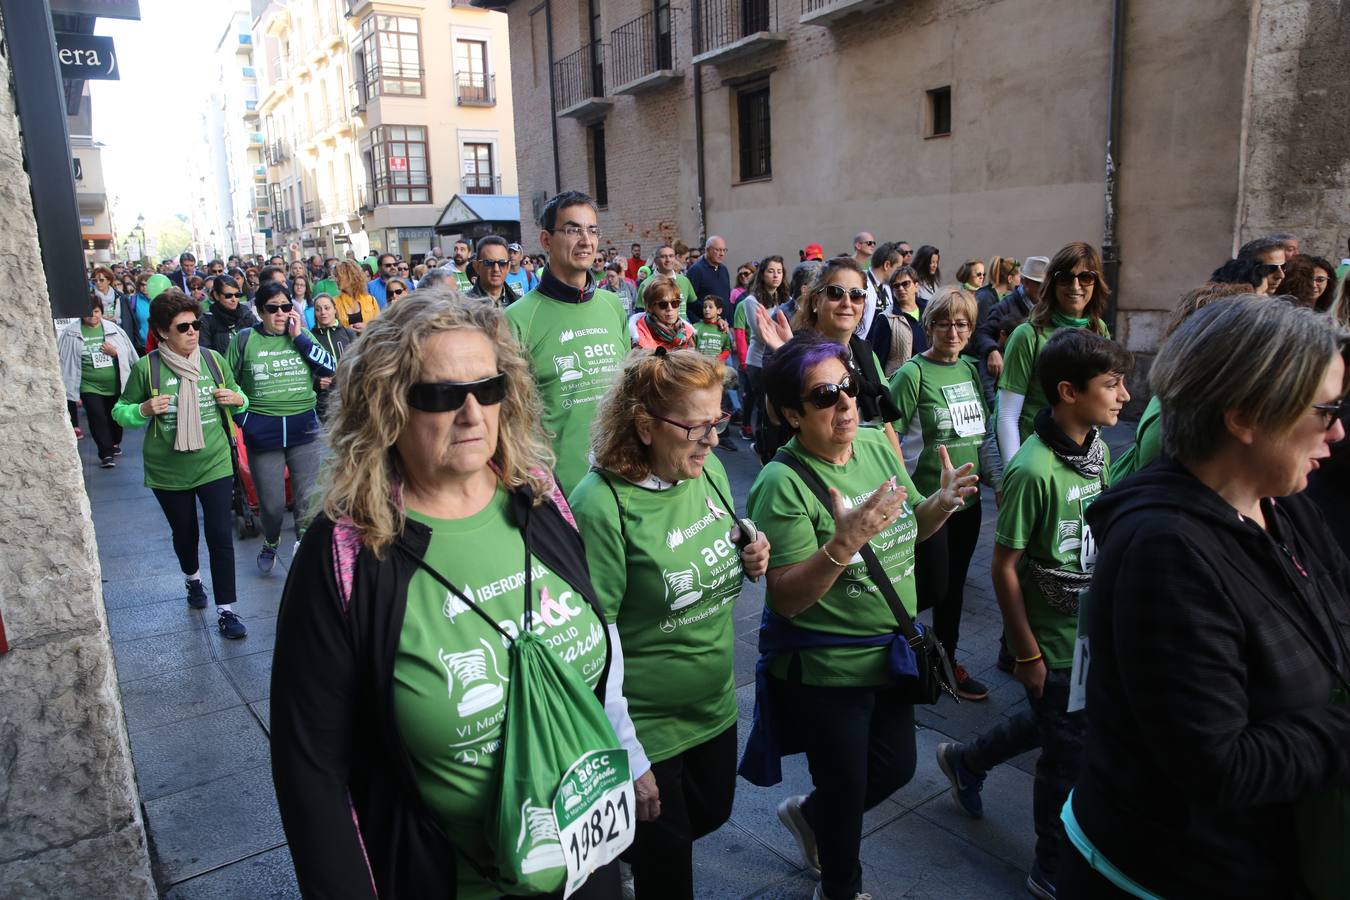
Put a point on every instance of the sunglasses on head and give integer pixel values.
(448, 396)
(824, 396)
(185, 327)
(278, 307)
(837, 292)
(1084, 278)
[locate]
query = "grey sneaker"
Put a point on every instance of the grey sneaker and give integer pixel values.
(790, 814)
(267, 557)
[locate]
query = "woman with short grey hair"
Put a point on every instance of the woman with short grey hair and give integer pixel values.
(1219, 624)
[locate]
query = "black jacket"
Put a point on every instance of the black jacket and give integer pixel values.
(221, 324)
(995, 325)
(1208, 709)
(337, 758)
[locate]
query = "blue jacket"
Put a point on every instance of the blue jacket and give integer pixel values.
(379, 290)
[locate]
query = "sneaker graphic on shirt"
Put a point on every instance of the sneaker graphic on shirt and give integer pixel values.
(682, 585)
(539, 827)
(470, 669)
(568, 366)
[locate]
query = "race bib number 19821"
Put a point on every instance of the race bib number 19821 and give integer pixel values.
(596, 813)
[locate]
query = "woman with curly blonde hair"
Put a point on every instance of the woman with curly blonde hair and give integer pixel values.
(440, 521)
(355, 306)
(668, 559)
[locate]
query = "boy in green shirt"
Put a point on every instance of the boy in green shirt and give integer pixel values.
(1043, 555)
(712, 338)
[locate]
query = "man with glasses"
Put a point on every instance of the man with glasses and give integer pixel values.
(215, 267)
(491, 262)
(1271, 251)
(386, 268)
(573, 332)
(709, 275)
(864, 245)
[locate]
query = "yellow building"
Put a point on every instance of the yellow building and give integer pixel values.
(376, 115)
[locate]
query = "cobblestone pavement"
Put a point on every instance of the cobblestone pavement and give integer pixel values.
(197, 712)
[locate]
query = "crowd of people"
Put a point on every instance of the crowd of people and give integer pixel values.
(504, 655)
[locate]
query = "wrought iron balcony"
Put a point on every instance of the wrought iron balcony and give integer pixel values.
(309, 211)
(825, 12)
(475, 89)
(579, 84)
(480, 183)
(731, 29)
(642, 52)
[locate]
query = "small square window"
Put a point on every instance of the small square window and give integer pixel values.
(940, 111)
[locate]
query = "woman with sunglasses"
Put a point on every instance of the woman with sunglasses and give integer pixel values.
(355, 305)
(667, 559)
(971, 275)
(395, 288)
(662, 325)
(833, 695)
(744, 275)
(334, 337)
(276, 362)
(440, 503)
(1072, 296)
(186, 401)
(227, 316)
(833, 309)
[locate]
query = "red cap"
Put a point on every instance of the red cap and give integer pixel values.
(815, 251)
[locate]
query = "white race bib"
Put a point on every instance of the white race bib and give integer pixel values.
(1087, 550)
(596, 813)
(966, 411)
(100, 359)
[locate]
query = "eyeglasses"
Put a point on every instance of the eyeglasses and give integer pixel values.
(824, 396)
(573, 230)
(448, 396)
(1320, 279)
(961, 326)
(904, 284)
(1086, 279)
(1330, 412)
(397, 292)
(196, 325)
(665, 304)
(837, 292)
(278, 307)
(495, 263)
(696, 432)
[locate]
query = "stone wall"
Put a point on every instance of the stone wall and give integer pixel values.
(70, 819)
(1297, 166)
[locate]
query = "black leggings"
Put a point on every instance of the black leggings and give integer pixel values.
(941, 564)
(696, 789)
(105, 432)
(180, 508)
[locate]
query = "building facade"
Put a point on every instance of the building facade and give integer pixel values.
(376, 116)
(979, 126)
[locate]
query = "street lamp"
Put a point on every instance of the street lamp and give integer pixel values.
(211, 246)
(229, 227)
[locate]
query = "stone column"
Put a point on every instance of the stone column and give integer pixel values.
(70, 814)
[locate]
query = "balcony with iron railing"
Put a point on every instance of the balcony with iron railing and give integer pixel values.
(309, 211)
(579, 84)
(733, 29)
(336, 205)
(825, 12)
(480, 183)
(278, 152)
(475, 89)
(282, 220)
(642, 52)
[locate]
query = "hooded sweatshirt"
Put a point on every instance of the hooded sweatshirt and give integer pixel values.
(1213, 650)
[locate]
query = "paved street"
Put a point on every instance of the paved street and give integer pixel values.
(197, 712)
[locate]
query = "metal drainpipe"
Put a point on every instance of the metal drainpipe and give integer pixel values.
(552, 98)
(1110, 247)
(699, 212)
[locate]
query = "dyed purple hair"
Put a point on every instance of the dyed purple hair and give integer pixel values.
(785, 374)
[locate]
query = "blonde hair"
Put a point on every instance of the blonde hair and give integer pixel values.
(1193, 301)
(351, 279)
(650, 381)
(950, 302)
(806, 316)
(999, 269)
(374, 377)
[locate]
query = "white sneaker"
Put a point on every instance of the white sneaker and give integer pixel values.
(790, 814)
(626, 887)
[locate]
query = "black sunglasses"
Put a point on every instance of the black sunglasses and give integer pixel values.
(823, 396)
(185, 327)
(278, 307)
(837, 292)
(397, 292)
(1086, 279)
(495, 263)
(448, 396)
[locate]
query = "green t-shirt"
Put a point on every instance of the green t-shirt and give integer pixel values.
(462, 282)
(940, 404)
(451, 669)
(273, 373)
(1019, 367)
(797, 525)
(711, 340)
(668, 577)
(166, 468)
(98, 370)
(575, 350)
(686, 289)
(739, 316)
(1147, 443)
(325, 286)
(1042, 513)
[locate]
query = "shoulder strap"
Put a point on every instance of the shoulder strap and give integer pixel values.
(154, 373)
(875, 571)
(213, 367)
(241, 338)
(614, 492)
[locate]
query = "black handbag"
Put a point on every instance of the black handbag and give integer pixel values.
(935, 670)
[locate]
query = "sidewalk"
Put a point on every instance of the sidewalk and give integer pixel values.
(197, 712)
